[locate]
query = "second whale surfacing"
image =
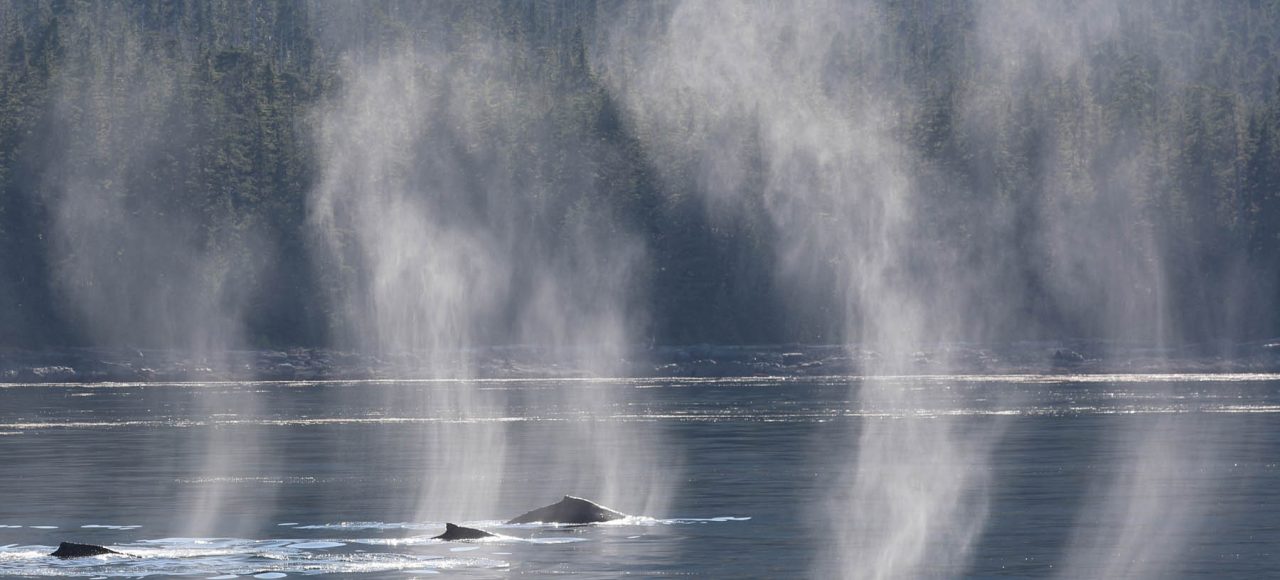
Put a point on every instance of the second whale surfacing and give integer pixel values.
(570, 510)
(69, 550)
(454, 533)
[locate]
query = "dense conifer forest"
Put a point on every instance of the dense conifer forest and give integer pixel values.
(191, 128)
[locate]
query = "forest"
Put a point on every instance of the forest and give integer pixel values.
(159, 161)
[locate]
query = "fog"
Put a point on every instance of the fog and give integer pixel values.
(456, 216)
(455, 190)
(802, 94)
(801, 110)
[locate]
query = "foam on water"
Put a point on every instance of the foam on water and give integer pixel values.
(432, 540)
(367, 526)
(280, 557)
(227, 558)
(315, 545)
(717, 519)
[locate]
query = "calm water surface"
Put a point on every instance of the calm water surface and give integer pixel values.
(290, 479)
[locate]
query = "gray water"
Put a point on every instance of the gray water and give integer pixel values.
(319, 478)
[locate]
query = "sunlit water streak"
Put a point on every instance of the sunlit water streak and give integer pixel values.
(675, 382)
(947, 388)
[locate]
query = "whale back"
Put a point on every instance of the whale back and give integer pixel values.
(73, 550)
(570, 510)
(454, 532)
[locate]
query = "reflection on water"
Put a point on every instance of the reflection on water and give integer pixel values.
(343, 551)
(325, 489)
(229, 558)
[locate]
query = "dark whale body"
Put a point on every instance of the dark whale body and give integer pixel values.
(67, 550)
(570, 510)
(454, 532)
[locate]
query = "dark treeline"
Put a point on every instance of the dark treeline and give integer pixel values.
(192, 124)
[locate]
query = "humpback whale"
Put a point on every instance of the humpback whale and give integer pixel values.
(454, 532)
(67, 550)
(570, 510)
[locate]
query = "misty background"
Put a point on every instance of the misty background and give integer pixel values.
(591, 179)
(1095, 170)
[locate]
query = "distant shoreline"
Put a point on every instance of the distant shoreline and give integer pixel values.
(98, 365)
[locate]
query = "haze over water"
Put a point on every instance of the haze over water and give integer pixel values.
(1019, 224)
